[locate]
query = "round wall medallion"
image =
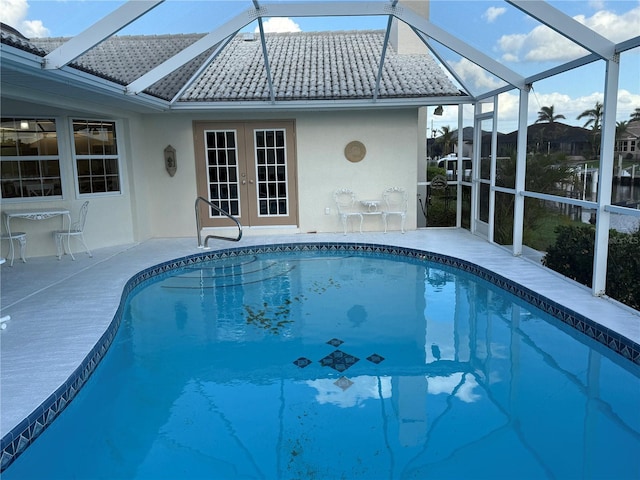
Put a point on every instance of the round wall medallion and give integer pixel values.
(355, 151)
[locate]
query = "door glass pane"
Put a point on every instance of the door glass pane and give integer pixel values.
(483, 206)
(270, 148)
(503, 218)
(484, 188)
(485, 149)
(222, 171)
(465, 221)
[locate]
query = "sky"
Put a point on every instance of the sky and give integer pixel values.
(494, 27)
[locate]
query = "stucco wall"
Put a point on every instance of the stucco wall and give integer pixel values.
(109, 221)
(154, 204)
(391, 140)
(164, 203)
(390, 136)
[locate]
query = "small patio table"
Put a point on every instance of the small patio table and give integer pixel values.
(372, 209)
(35, 214)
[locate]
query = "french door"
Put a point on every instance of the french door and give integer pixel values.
(248, 169)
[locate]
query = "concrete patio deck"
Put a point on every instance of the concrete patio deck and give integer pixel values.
(59, 309)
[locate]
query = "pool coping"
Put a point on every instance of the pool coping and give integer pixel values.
(24, 433)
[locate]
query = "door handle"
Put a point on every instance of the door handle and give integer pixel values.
(244, 182)
(251, 182)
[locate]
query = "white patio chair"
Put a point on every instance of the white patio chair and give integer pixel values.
(76, 230)
(395, 203)
(21, 238)
(347, 206)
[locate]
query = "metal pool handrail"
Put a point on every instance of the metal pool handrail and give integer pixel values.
(218, 209)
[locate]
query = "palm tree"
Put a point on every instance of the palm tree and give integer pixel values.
(635, 115)
(621, 129)
(546, 114)
(446, 139)
(594, 115)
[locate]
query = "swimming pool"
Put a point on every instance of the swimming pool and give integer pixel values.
(467, 361)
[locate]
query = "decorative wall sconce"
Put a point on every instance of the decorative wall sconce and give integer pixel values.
(170, 162)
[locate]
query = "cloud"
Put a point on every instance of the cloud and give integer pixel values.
(474, 76)
(34, 29)
(571, 107)
(464, 383)
(492, 13)
(363, 388)
(14, 14)
(13, 11)
(563, 104)
(543, 44)
(279, 25)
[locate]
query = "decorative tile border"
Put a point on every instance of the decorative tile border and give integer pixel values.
(21, 436)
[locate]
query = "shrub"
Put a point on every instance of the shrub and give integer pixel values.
(441, 214)
(572, 253)
(572, 256)
(433, 171)
(623, 269)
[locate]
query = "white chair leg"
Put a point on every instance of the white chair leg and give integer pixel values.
(384, 220)
(12, 252)
(58, 240)
(69, 247)
(404, 217)
(23, 248)
(85, 245)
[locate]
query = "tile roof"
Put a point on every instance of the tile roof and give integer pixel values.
(122, 59)
(304, 66)
(323, 65)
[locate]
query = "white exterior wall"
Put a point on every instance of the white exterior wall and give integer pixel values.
(154, 204)
(165, 204)
(390, 136)
(110, 220)
(392, 142)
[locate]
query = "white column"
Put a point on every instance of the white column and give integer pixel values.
(460, 166)
(475, 175)
(521, 165)
(492, 175)
(605, 179)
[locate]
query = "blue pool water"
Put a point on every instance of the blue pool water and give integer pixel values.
(326, 366)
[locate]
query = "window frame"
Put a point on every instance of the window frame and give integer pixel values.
(117, 129)
(59, 136)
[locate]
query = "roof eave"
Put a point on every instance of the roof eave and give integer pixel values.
(321, 104)
(29, 63)
(17, 60)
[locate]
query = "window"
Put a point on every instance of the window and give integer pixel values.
(96, 155)
(30, 163)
